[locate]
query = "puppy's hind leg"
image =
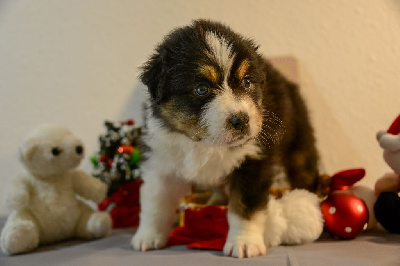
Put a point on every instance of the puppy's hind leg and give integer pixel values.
(299, 152)
(301, 164)
(159, 197)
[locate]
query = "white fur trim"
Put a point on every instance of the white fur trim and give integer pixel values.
(275, 224)
(294, 219)
(303, 215)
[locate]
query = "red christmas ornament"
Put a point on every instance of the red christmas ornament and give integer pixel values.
(345, 214)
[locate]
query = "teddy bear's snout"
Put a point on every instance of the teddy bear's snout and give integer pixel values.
(79, 149)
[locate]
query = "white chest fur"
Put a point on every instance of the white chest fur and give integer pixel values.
(175, 154)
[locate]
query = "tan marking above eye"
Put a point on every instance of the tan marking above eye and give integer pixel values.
(209, 72)
(242, 69)
(180, 121)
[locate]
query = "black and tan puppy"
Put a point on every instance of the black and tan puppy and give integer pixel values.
(219, 113)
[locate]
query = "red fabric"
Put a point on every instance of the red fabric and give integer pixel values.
(205, 228)
(123, 205)
(125, 216)
(344, 179)
(395, 127)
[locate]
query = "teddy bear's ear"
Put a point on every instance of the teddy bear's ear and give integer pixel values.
(27, 149)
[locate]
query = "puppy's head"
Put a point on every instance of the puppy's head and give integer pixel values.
(205, 81)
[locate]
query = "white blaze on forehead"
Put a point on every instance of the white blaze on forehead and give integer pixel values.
(222, 51)
(226, 104)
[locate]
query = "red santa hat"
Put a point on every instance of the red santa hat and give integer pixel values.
(395, 127)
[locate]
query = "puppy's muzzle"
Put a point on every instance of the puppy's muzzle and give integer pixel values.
(239, 122)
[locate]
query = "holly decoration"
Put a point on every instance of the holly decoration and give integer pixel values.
(116, 163)
(345, 214)
(117, 160)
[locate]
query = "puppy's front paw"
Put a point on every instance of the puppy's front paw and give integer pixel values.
(145, 240)
(245, 247)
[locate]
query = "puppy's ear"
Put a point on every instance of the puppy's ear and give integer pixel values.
(153, 76)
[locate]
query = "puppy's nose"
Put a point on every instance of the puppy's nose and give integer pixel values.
(239, 121)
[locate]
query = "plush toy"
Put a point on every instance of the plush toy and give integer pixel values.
(387, 207)
(293, 219)
(43, 199)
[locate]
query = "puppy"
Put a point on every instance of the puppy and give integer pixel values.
(218, 113)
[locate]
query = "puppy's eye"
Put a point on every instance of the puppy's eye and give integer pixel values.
(246, 82)
(202, 90)
(56, 151)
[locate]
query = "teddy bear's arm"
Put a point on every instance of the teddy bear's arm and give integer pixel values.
(17, 193)
(390, 142)
(88, 187)
(389, 182)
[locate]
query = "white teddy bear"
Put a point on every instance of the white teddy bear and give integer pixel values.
(43, 197)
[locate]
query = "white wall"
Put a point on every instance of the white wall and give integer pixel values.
(75, 63)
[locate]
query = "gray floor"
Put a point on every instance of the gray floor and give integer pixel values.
(373, 248)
